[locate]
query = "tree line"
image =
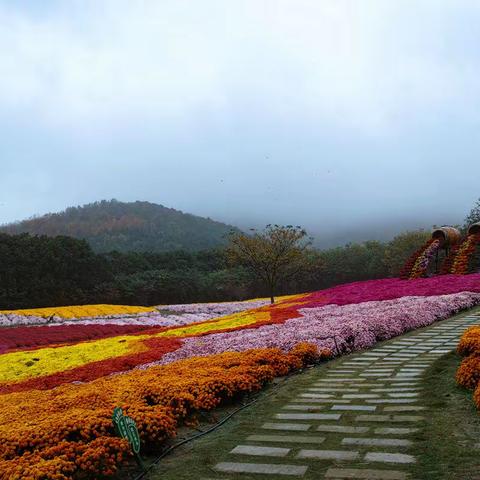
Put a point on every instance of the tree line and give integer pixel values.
(40, 271)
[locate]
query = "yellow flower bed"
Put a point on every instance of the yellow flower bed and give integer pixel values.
(79, 311)
(17, 366)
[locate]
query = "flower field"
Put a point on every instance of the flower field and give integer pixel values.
(63, 370)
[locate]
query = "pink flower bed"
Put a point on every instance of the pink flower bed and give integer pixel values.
(355, 326)
(391, 288)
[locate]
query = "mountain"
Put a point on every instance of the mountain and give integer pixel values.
(134, 226)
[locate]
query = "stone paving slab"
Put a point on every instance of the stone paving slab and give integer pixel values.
(260, 451)
(320, 400)
(307, 408)
(342, 429)
(294, 427)
(389, 418)
(358, 408)
(337, 455)
(270, 469)
(286, 438)
(389, 457)
(364, 474)
(377, 442)
(308, 416)
(394, 431)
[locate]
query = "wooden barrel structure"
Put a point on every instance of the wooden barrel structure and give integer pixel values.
(474, 229)
(448, 236)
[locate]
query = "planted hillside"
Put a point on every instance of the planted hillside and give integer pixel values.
(136, 226)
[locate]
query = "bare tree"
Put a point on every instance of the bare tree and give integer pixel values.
(274, 254)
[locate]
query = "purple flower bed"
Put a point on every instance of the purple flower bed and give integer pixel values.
(355, 326)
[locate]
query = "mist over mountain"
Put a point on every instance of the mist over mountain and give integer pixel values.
(133, 226)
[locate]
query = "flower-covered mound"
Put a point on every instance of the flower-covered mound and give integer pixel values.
(164, 364)
(467, 256)
(468, 374)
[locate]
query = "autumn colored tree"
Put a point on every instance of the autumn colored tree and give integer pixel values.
(277, 253)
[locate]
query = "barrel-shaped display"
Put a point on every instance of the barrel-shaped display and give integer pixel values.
(474, 229)
(448, 236)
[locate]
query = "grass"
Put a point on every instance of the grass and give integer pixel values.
(449, 448)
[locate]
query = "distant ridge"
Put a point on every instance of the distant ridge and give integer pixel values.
(134, 226)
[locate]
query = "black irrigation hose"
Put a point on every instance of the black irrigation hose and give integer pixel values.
(217, 425)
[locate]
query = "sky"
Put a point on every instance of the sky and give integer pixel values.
(355, 119)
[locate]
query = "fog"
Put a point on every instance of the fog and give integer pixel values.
(353, 119)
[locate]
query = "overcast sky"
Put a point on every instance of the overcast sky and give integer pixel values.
(336, 115)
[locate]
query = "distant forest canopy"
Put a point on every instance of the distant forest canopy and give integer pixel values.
(135, 226)
(41, 271)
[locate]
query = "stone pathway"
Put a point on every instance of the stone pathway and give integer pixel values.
(358, 417)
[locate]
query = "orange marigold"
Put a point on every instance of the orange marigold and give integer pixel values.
(470, 341)
(468, 374)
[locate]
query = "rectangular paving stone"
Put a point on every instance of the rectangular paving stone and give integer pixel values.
(316, 395)
(342, 429)
(343, 380)
(403, 408)
(364, 474)
(340, 372)
(394, 389)
(377, 442)
(319, 395)
(260, 451)
(388, 418)
(295, 427)
(267, 468)
(389, 457)
(395, 431)
(360, 395)
(308, 416)
(334, 389)
(366, 385)
(306, 408)
(320, 400)
(357, 408)
(395, 382)
(393, 400)
(285, 438)
(337, 455)
(402, 394)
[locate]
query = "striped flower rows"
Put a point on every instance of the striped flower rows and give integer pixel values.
(63, 372)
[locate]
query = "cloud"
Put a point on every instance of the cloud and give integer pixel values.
(355, 64)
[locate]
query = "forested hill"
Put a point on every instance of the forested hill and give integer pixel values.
(136, 226)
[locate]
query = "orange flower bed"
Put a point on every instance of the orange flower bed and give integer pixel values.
(69, 431)
(468, 374)
(470, 341)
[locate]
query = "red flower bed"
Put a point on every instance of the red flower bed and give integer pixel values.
(31, 337)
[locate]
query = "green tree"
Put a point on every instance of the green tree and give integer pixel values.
(473, 216)
(275, 254)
